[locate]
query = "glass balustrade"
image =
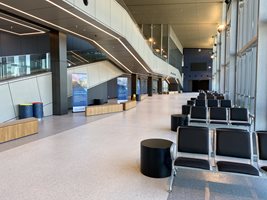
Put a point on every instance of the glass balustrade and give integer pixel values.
(22, 65)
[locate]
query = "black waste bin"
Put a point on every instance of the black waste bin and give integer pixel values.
(25, 111)
(178, 120)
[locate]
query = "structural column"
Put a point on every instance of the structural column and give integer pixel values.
(134, 84)
(160, 86)
(150, 86)
(58, 49)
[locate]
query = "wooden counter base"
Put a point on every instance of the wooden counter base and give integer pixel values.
(103, 109)
(17, 129)
(129, 104)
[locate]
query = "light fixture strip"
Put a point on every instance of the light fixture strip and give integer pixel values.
(79, 56)
(98, 29)
(8, 31)
(67, 30)
(9, 20)
(71, 62)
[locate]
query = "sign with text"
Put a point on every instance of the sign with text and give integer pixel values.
(122, 89)
(138, 87)
(79, 92)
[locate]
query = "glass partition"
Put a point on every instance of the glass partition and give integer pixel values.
(21, 65)
(78, 57)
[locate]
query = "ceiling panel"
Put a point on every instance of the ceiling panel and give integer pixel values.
(194, 21)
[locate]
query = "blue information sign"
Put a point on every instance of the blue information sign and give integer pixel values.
(122, 89)
(138, 87)
(79, 92)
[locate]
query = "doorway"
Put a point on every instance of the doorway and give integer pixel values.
(200, 85)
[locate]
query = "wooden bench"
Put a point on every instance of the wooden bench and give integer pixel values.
(103, 109)
(143, 96)
(17, 129)
(128, 105)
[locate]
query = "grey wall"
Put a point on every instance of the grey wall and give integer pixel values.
(194, 56)
(20, 45)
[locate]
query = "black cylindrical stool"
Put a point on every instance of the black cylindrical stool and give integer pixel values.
(138, 97)
(156, 158)
(38, 110)
(25, 111)
(178, 120)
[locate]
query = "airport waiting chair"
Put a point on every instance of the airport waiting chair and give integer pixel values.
(218, 115)
(201, 102)
(211, 97)
(213, 103)
(261, 141)
(233, 151)
(198, 114)
(225, 103)
(186, 109)
(240, 117)
(220, 97)
(201, 97)
(192, 150)
(190, 102)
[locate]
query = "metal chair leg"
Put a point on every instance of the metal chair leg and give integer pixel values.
(172, 178)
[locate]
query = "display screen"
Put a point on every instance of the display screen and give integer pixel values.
(199, 66)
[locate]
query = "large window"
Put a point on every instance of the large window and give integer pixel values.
(247, 54)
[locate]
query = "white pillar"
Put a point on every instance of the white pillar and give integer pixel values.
(261, 85)
(233, 50)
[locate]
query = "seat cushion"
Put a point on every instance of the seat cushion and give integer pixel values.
(240, 124)
(218, 122)
(197, 121)
(264, 168)
(241, 168)
(192, 162)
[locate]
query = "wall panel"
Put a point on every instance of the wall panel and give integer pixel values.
(6, 105)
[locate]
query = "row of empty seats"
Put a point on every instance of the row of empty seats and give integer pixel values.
(217, 115)
(232, 150)
(210, 103)
(210, 95)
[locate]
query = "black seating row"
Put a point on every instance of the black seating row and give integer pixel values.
(218, 115)
(210, 103)
(232, 150)
(210, 95)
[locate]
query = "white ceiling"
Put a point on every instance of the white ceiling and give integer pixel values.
(194, 21)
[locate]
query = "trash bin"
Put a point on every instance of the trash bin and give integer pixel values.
(25, 111)
(38, 110)
(138, 97)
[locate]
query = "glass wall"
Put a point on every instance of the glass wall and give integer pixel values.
(157, 36)
(23, 55)
(80, 52)
(21, 65)
(247, 54)
(175, 56)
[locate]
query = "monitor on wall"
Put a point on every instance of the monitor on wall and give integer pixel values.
(201, 66)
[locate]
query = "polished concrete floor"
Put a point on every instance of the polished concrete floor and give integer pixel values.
(92, 158)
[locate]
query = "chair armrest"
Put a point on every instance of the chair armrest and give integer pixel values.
(173, 151)
(251, 118)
